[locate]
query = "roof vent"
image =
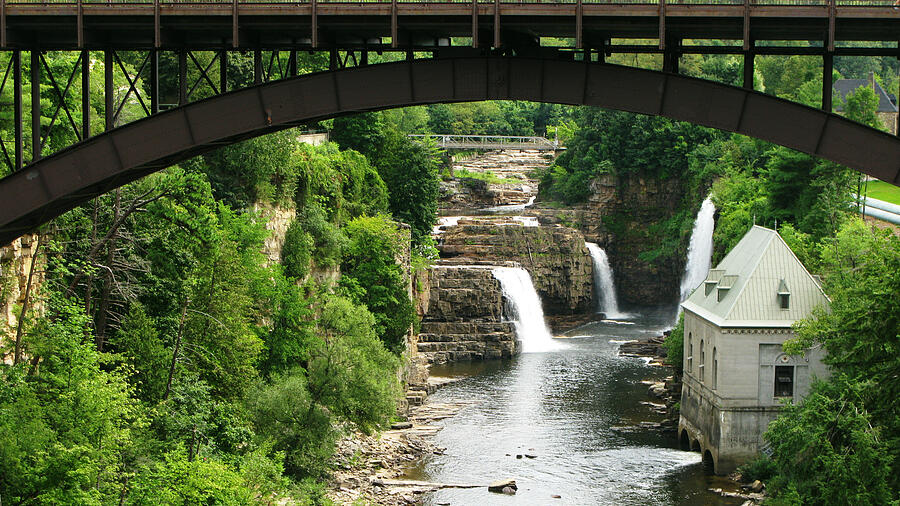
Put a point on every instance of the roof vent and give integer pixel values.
(724, 285)
(712, 278)
(784, 295)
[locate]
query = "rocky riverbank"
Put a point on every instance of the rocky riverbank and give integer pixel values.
(665, 394)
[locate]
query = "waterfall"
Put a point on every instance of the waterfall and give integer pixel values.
(700, 250)
(524, 309)
(603, 283)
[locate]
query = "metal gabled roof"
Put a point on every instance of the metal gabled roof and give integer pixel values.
(745, 292)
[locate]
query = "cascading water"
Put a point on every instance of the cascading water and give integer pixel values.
(603, 283)
(700, 250)
(524, 310)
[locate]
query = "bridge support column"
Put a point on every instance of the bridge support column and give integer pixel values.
(85, 94)
(474, 23)
(154, 81)
(35, 105)
(18, 117)
(292, 65)
(671, 55)
(749, 62)
(827, 71)
(497, 24)
(223, 71)
(257, 66)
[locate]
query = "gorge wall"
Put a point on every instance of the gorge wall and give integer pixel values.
(463, 317)
(555, 256)
(619, 216)
(15, 265)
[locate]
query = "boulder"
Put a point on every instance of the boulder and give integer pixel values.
(500, 485)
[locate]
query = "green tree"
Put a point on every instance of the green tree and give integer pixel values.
(373, 276)
(829, 449)
(67, 425)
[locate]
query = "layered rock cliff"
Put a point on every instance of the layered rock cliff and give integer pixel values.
(620, 217)
(16, 261)
(555, 256)
(464, 317)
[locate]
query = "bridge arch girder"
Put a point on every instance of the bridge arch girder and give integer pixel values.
(53, 185)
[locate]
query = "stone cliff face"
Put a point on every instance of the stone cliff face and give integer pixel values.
(278, 220)
(555, 256)
(15, 265)
(463, 319)
(618, 216)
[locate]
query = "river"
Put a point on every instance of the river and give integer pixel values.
(565, 409)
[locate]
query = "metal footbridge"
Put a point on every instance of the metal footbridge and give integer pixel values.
(491, 142)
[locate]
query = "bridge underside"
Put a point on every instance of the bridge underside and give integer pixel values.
(53, 185)
(310, 24)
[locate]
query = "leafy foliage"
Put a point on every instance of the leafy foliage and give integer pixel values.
(674, 345)
(840, 445)
(373, 277)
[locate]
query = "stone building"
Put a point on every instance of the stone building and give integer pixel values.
(736, 375)
(887, 111)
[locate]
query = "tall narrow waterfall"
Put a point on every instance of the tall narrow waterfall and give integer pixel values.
(700, 250)
(604, 287)
(524, 309)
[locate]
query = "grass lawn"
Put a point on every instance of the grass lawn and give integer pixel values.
(884, 191)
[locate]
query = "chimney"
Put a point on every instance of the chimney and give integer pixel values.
(872, 80)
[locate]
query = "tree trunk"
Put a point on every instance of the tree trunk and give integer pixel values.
(20, 325)
(175, 351)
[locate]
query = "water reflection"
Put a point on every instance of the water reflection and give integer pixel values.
(562, 408)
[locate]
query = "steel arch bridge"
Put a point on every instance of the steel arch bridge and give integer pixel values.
(50, 186)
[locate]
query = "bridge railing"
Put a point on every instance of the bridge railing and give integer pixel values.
(792, 3)
(449, 141)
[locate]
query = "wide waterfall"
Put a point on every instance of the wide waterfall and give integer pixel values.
(604, 286)
(524, 310)
(700, 250)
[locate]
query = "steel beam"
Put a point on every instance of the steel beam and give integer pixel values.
(257, 66)
(57, 183)
(85, 94)
(579, 24)
(182, 77)
(154, 81)
(18, 116)
(157, 28)
(749, 65)
(662, 24)
(223, 71)
(2, 23)
(475, 23)
(496, 23)
(35, 105)
(108, 90)
(827, 80)
(314, 23)
(394, 24)
(80, 25)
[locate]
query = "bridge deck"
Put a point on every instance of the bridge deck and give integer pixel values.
(144, 24)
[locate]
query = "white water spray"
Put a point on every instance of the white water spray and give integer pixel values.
(603, 283)
(524, 310)
(700, 250)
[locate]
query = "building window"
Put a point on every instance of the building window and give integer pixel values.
(690, 354)
(784, 300)
(784, 381)
(702, 360)
(715, 374)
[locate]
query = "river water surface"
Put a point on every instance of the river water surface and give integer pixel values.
(576, 411)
